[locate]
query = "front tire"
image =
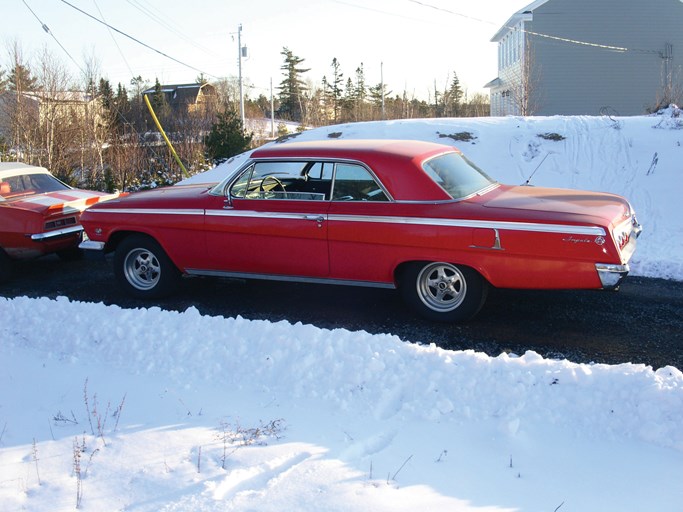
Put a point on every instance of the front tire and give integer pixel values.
(443, 292)
(143, 269)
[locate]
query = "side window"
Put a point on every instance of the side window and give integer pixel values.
(355, 183)
(302, 181)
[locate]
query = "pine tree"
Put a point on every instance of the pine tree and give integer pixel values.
(105, 93)
(292, 87)
(334, 89)
(3, 81)
(20, 79)
(361, 93)
(227, 137)
(454, 95)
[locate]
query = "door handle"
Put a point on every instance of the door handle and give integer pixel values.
(316, 218)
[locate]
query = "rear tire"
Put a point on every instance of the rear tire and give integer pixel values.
(443, 292)
(143, 269)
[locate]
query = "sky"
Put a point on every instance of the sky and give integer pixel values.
(413, 45)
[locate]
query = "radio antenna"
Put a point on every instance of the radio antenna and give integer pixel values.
(526, 183)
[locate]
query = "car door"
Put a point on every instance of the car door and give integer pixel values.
(369, 233)
(274, 221)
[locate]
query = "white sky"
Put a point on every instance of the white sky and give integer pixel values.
(418, 42)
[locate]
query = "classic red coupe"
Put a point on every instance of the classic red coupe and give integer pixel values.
(39, 214)
(411, 215)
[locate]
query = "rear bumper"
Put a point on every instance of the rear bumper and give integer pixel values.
(611, 274)
(49, 235)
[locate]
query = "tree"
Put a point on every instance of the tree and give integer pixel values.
(378, 94)
(3, 81)
(227, 137)
(21, 80)
(453, 97)
(333, 91)
(292, 87)
(361, 93)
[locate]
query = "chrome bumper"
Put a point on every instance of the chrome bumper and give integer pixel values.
(91, 245)
(611, 274)
(57, 233)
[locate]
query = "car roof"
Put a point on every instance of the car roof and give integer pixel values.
(351, 148)
(393, 161)
(8, 169)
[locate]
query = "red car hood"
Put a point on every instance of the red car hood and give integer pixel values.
(177, 196)
(608, 207)
(60, 202)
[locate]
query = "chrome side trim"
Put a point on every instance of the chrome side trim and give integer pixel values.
(57, 233)
(278, 277)
(463, 223)
(148, 211)
(268, 215)
(417, 221)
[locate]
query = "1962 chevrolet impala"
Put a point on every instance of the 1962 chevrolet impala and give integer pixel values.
(411, 215)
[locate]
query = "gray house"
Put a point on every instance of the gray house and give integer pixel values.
(573, 57)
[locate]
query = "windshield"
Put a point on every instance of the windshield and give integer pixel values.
(29, 184)
(457, 175)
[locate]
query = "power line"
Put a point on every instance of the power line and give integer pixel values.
(115, 41)
(137, 40)
(47, 30)
(537, 34)
(166, 23)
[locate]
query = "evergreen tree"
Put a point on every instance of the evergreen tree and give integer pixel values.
(121, 107)
(292, 87)
(349, 110)
(106, 94)
(378, 94)
(361, 93)
(334, 89)
(3, 81)
(20, 79)
(454, 97)
(227, 137)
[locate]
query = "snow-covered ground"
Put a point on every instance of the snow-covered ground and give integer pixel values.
(106, 409)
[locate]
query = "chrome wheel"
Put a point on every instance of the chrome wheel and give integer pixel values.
(441, 287)
(443, 292)
(142, 269)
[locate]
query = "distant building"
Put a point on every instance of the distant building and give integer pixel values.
(186, 97)
(574, 57)
(45, 109)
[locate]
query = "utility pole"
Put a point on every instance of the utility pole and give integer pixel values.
(239, 57)
(381, 75)
(272, 110)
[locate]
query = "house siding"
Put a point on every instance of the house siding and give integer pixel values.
(575, 79)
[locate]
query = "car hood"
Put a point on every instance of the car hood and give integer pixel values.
(563, 202)
(62, 202)
(177, 196)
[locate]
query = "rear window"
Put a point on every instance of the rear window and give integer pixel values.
(457, 175)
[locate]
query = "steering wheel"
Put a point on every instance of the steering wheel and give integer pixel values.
(278, 183)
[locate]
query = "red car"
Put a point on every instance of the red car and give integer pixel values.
(39, 214)
(410, 215)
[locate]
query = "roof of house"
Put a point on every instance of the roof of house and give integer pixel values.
(523, 14)
(180, 93)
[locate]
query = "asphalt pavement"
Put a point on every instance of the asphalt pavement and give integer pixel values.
(641, 323)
